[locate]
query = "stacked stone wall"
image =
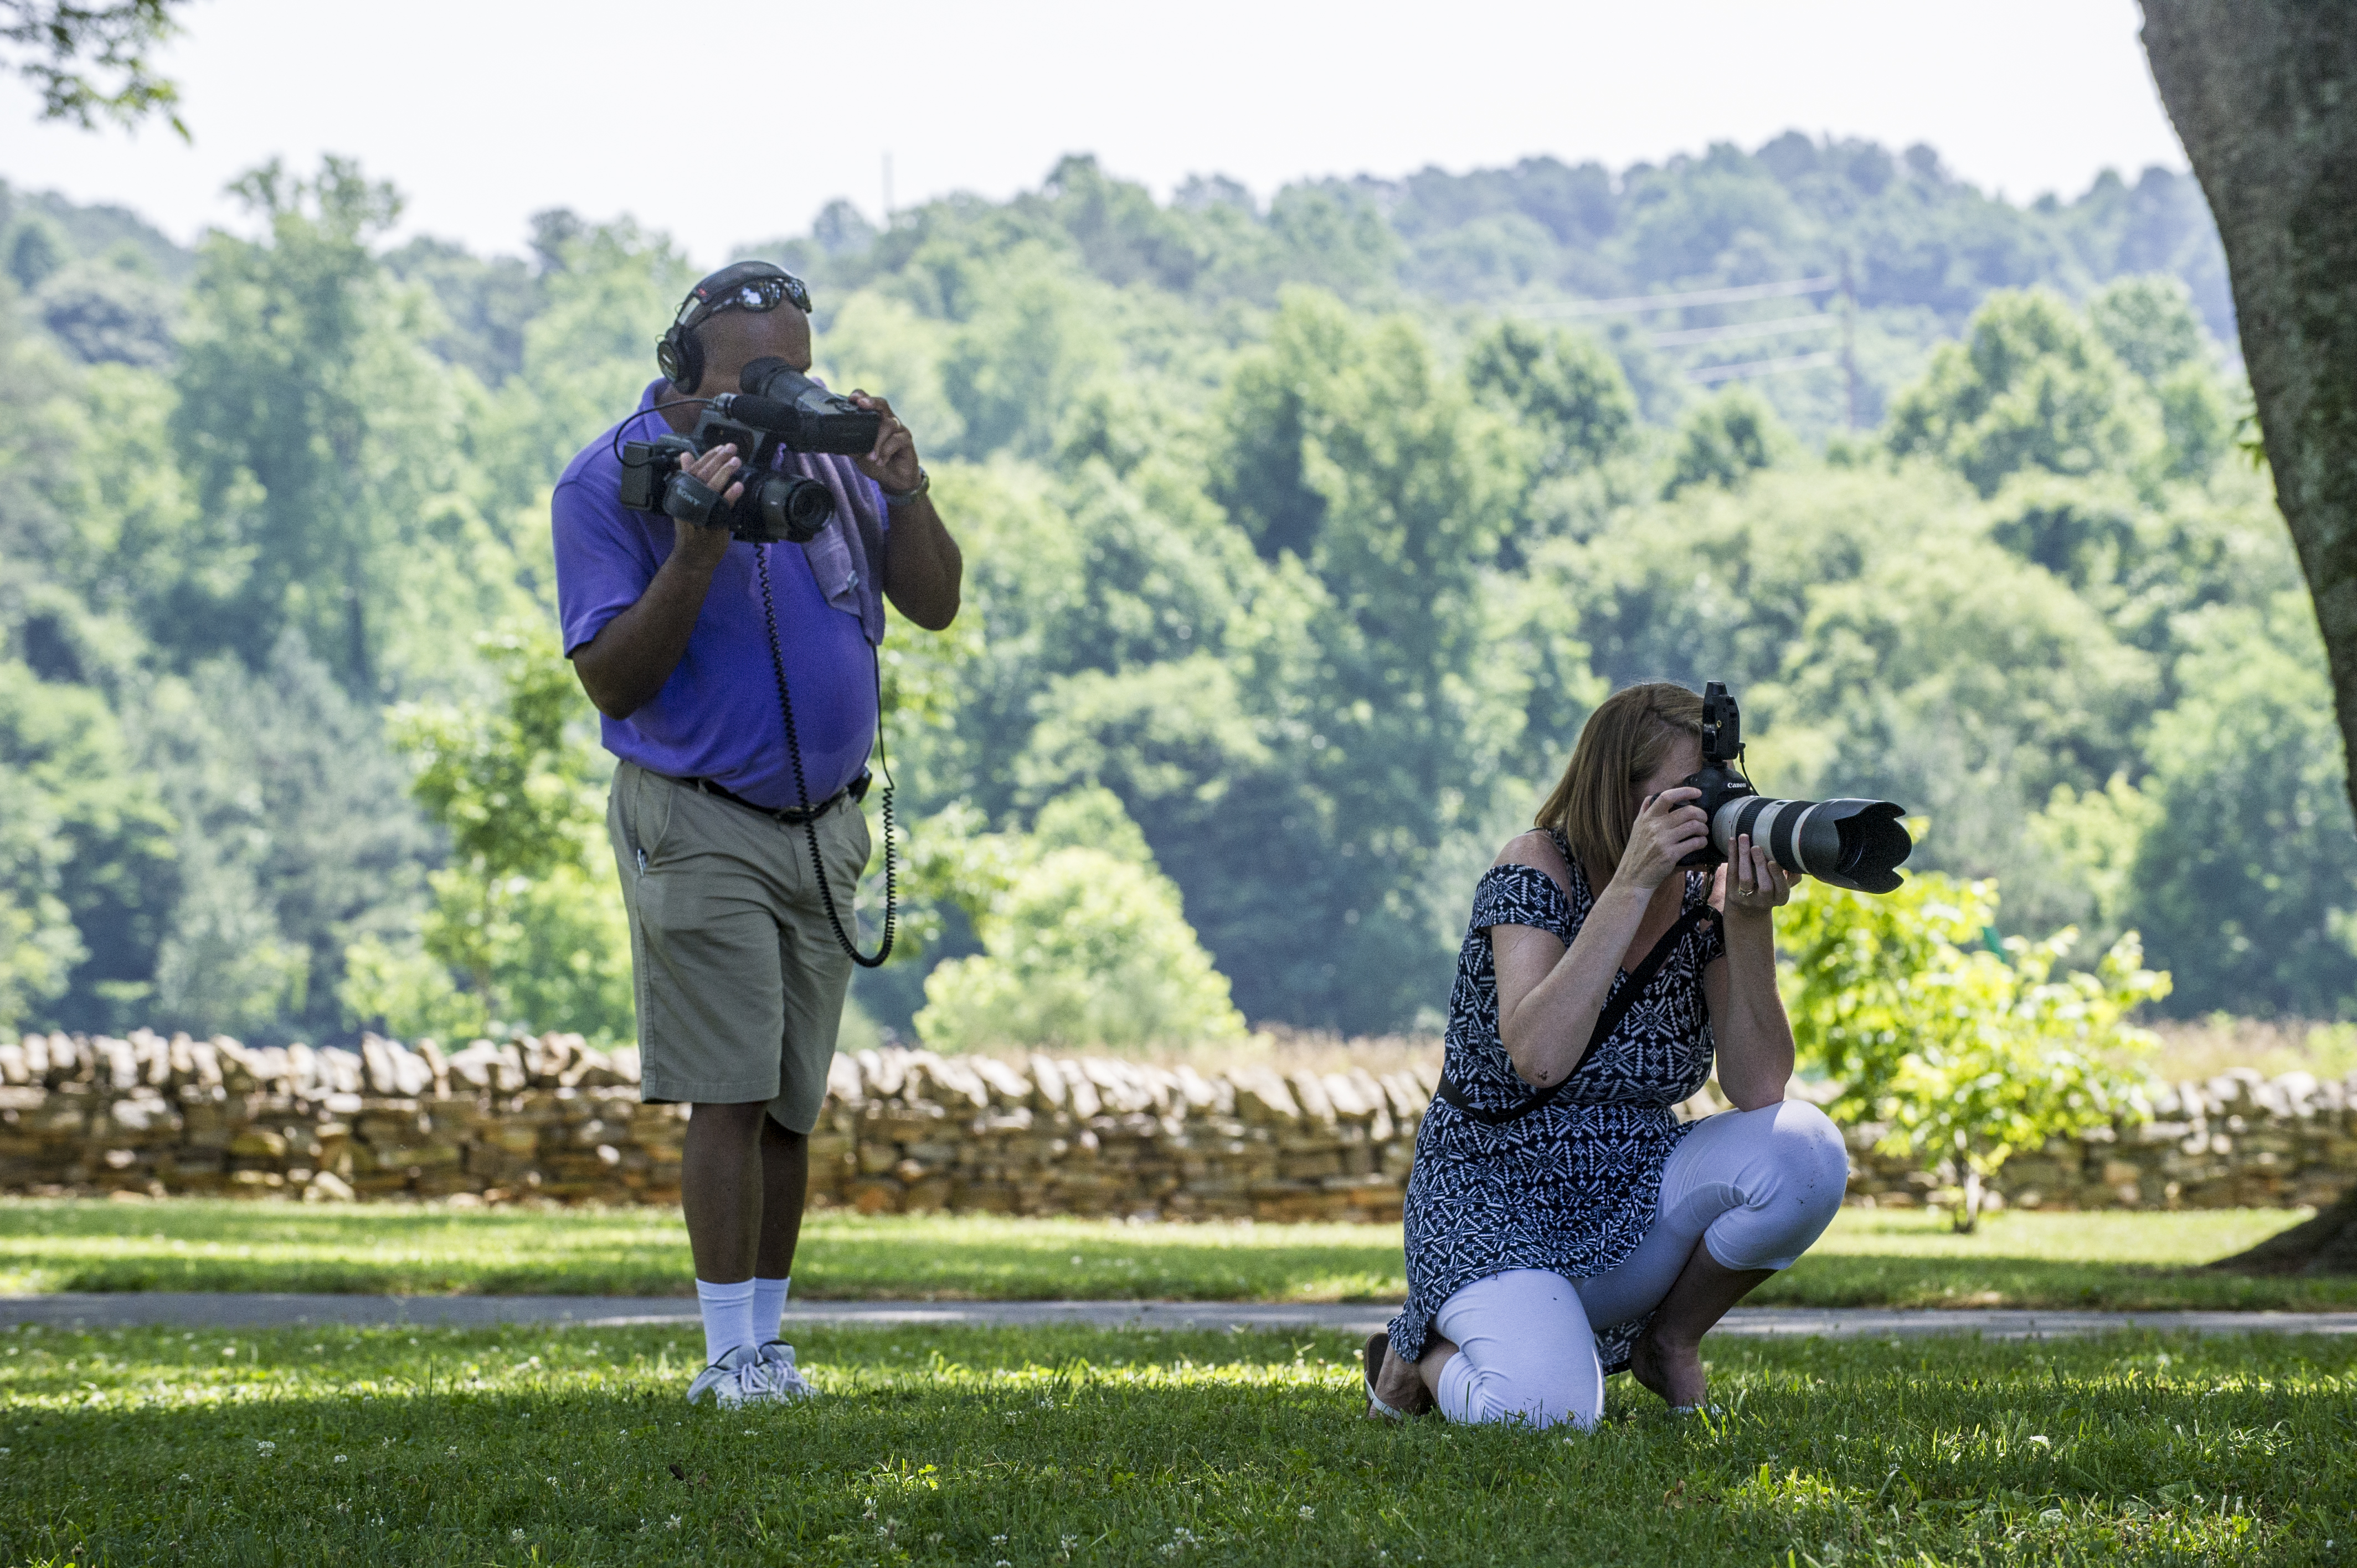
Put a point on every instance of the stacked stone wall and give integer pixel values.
(910, 1132)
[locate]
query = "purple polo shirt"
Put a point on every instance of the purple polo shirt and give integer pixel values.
(717, 717)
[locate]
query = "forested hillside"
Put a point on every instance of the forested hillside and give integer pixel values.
(1300, 540)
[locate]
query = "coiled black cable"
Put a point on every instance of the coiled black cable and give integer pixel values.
(802, 785)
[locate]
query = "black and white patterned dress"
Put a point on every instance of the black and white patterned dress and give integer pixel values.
(1572, 1186)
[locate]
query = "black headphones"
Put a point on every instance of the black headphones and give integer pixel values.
(757, 286)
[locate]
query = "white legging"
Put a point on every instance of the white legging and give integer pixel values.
(1755, 1186)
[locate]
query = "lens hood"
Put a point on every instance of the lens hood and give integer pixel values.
(1850, 843)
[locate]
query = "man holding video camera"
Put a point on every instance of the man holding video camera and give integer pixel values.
(722, 606)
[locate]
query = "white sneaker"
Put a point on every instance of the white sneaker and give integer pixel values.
(738, 1376)
(785, 1379)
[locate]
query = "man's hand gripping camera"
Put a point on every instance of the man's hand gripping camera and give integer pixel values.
(780, 409)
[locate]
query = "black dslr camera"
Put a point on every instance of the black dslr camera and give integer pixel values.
(780, 409)
(1850, 843)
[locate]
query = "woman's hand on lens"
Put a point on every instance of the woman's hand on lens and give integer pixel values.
(1751, 883)
(1669, 827)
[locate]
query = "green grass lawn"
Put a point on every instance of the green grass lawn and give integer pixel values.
(1072, 1446)
(1871, 1257)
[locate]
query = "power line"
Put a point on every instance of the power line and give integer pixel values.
(1634, 303)
(1776, 328)
(1765, 367)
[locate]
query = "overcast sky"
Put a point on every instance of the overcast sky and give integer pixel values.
(738, 122)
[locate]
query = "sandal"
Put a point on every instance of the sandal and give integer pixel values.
(1379, 1345)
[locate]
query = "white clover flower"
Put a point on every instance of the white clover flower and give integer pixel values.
(998, 1540)
(339, 1459)
(1309, 1512)
(264, 1448)
(515, 1535)
(184, 1475)
(671, 1523)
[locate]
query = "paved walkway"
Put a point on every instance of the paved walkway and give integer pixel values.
(191, 1310)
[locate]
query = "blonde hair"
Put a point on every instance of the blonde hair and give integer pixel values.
(1623, 744)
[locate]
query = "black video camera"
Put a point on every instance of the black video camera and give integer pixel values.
(1850, 843)
(780, 409)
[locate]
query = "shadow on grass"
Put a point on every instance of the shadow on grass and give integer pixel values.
(1068, 1444)
(408, 1250)
(2141, 1261)
(1836, 1280)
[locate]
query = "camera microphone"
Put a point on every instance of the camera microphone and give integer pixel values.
(761, 412)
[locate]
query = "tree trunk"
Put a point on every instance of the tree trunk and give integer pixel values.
(1967, 1217)
(2263, 95)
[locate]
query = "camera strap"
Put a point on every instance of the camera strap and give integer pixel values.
(1632, 987)
(802, 785)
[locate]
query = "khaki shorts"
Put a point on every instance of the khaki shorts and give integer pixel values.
(739, 978)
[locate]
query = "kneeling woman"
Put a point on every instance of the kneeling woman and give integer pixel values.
(1562, 1224)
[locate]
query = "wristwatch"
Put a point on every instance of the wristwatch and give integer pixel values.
(902, 497)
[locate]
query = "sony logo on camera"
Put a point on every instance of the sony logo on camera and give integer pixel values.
(779, 409)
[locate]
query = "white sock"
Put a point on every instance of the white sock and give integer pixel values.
(727, 1317)
(770, 1308)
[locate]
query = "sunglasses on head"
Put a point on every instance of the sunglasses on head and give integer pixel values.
(759, 288)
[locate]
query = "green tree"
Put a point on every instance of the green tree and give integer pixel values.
(1963, 1055)
(588, 354)
(1725, 440)
(2148, 323)
(2029, 387)
(1881, 644)
(36, 250)
(1569, 394)
(2247, 879)
(1084, 942)
(92, 62)
(39, 944)
(527, 926)
(296, 839)
(318, 431)
(1362, 665)
(109, 313)
(1030, 343)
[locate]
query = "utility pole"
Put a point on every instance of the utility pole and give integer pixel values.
(1850, 337)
